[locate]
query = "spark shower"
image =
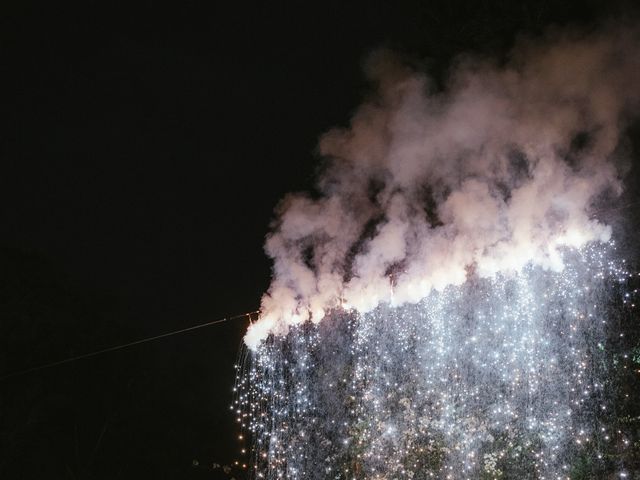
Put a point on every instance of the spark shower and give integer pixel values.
(440, 307)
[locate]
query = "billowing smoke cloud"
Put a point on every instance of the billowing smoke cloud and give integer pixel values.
(500, 169)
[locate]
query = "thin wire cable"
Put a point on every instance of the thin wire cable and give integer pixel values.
(124, 345)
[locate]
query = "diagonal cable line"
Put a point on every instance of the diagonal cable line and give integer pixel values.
(124, 345)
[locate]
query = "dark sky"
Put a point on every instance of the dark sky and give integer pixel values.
(143, 148)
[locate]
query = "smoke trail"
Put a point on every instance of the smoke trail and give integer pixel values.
(496, 172)
(458, 282)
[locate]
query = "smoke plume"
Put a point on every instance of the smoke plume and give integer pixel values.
(500, 169)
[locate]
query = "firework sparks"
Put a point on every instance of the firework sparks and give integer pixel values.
(499, 377)
(440, 310)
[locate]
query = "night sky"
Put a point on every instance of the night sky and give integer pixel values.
(143, 149)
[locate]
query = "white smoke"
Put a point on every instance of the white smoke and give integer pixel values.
(500, 169)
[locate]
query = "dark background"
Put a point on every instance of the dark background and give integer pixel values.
(143, 147)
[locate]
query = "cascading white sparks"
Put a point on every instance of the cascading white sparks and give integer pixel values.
(439, 308)
(500, 378)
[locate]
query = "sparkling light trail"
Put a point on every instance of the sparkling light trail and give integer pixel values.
(502, 378)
